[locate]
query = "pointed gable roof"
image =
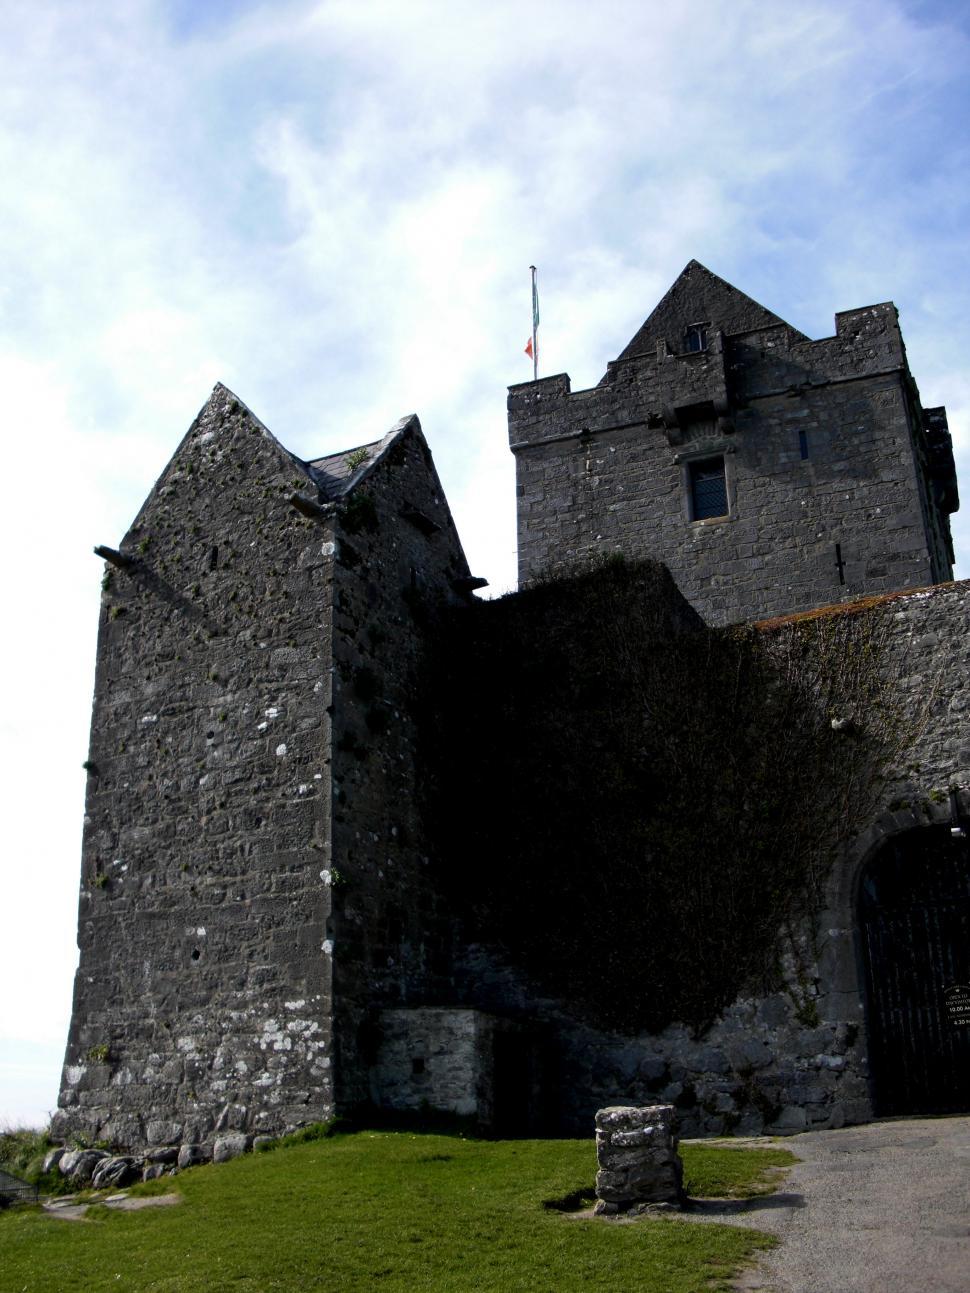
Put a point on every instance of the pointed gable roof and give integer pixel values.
(336, 474)
(334, 471)
(698, 296)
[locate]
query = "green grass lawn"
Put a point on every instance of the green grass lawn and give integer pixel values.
(389, 1211)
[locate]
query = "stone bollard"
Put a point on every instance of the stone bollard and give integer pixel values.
(639, 1166)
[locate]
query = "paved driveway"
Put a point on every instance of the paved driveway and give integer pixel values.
(883, 1208)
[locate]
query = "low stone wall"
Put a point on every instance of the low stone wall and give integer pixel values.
(771, 1064)
(100, 1169)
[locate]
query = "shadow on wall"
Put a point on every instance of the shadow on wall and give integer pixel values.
(657, 804)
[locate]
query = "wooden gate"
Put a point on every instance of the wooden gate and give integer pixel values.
(914, 913)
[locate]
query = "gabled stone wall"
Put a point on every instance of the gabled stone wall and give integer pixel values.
(203, 996)
(254, 836)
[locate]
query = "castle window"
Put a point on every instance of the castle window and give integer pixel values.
(708, 489)
(695, 338)
(803, 443)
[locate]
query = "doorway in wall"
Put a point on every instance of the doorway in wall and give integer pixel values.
(526, 1095)
(914, 920)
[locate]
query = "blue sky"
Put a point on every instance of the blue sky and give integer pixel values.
(332, 208)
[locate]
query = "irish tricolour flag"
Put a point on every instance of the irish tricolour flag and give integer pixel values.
(532, 345)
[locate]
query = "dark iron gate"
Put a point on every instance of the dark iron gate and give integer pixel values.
(914, 913)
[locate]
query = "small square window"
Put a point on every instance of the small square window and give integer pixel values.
(708, 489)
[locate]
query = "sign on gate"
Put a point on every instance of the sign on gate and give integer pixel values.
(957, 999)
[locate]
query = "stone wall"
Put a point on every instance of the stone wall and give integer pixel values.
(832, 489)
(254, 799)
(254, 796)
(436, 1058)
(398, 560)
(202, 1001)
(796, 1057)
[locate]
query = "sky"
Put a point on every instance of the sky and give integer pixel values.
(331, 208)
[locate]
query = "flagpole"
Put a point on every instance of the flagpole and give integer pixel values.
(535, 322)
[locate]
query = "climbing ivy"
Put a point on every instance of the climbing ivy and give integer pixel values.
(641, 811)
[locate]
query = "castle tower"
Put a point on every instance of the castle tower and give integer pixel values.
(253, 879)
(770, 473)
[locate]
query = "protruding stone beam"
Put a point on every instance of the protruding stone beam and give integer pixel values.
(468, 583)
(309, 508)
(418, 519)
(113, 557)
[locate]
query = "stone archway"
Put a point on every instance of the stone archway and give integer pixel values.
(913, 910)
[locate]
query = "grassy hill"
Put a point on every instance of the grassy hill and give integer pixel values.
(379, 1210)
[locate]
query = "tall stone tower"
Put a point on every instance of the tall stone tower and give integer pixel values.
(253, 874)
(770, 473)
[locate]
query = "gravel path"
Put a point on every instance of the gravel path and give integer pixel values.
(883, 1208)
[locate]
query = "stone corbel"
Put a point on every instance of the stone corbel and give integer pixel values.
(671, 424)
(723, 421)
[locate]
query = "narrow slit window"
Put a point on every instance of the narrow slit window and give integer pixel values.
(803, 443)
(708, 489)
(840, 563)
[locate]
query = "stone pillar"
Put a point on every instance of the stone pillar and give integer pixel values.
(639, 1166)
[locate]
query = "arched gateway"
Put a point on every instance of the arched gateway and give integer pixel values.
(914, 920)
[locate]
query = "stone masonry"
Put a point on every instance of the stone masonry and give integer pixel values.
(636, 1149)
(435, 1057)
(794, 1058)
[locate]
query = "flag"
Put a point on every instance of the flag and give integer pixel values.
(532, 345)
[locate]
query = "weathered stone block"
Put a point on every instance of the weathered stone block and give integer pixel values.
(79, 1164)
(636, 1148)
(162, 1154)
(161, 1132)
(52, 1158)
(791, 1119)
(231, 1146)
(232, 1117)
(112, 1173)
(192, 1155)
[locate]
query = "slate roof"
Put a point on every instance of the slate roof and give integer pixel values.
(334, 474)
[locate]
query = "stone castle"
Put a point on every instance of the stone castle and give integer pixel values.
(268, 929)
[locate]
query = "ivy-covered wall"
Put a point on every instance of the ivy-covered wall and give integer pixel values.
(666, 811)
